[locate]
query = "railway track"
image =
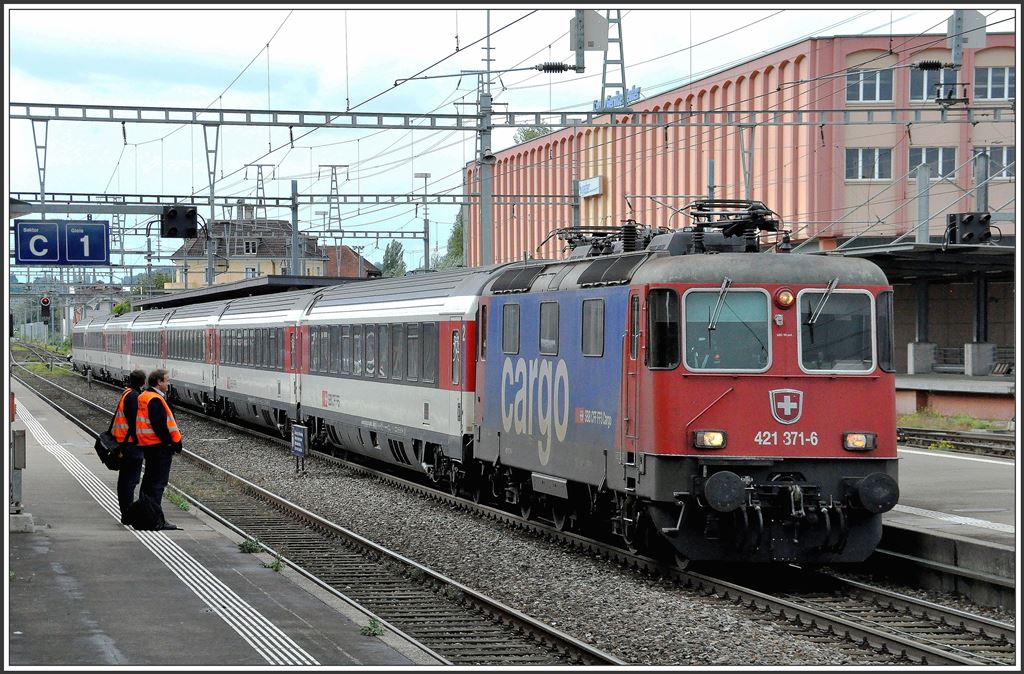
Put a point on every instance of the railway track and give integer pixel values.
(819, 606)
(972, 442)
(457, 624)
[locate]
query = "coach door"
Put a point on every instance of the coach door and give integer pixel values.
(631, 371)
(455, 338)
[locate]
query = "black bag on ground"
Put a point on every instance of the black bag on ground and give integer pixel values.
(145, 514)
(109, 450)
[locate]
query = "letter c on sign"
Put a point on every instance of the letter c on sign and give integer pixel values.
(32, 245)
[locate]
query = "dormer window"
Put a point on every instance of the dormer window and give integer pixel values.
(249, 247)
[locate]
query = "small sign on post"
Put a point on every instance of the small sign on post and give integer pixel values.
(299, 446)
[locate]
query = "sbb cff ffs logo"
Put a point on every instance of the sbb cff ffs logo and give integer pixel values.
(44, 303)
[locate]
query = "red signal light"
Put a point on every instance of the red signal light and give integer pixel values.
(44, 301)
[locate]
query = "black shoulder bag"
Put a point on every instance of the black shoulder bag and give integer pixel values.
(108, 448)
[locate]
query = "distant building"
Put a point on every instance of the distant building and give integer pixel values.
(343, 262)
(245, 247)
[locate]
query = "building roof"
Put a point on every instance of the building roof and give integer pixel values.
(349, 263)
(272, 237)
(245, 288)
(908, 262)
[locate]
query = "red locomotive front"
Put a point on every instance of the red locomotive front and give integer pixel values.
(761, 407)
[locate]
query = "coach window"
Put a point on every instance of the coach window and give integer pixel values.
(383, 351)
(482, 332)
(357, 350)
(727, 331)
(397, 351)
(430, 342)
(592, 325)
(663, 329)
(413, 356)
(314, 350)
(335, 349)
(840, 337)
(510, 328)
(371, 350)
(456, 360)
(549, 328)
(266, 346)
(325, 348)
(346, 349)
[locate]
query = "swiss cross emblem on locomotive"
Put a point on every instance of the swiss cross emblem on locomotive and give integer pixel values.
(787, 405)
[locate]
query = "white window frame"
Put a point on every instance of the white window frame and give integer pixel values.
(937, 169)
(875, 153)
(1008, 172)
(864, 75)
(249, 247)
(252, 272)
(1007, 94)
(944, 76)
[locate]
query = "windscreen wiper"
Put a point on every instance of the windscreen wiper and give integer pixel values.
(821, 305)
(726, 282)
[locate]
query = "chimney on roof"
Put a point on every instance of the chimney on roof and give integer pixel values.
(238, 210)
(250, 212)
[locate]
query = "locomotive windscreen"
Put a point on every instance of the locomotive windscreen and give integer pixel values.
(841, 338)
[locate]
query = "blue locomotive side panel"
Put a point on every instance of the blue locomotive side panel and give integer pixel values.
(553, 413)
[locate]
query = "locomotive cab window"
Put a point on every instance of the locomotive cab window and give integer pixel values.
(549, 328)
(884, 329)
(836, 331)
(663, 329)
(727, 330)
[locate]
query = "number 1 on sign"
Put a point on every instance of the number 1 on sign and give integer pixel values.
(85, 245)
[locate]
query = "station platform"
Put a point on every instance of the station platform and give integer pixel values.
(991, 397)
(84, 590)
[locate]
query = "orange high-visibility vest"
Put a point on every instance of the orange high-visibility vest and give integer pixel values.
(120, 428)
(144, 429)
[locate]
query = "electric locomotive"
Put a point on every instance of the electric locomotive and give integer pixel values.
(676, 389)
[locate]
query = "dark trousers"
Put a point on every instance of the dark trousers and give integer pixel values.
(158, 472)
(128, 477)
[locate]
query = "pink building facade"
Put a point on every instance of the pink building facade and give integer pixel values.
(834, 181)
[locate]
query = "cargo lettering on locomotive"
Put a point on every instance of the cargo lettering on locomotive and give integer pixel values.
(538, 388)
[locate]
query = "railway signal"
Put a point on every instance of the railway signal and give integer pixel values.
(44, 304)
(178, 222)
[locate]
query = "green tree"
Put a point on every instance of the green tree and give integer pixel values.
(152, 281)
(454, 257)
(530, 132)
(122, 307)
(394, 260)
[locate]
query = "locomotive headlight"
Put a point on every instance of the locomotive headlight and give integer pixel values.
(859, 442)
(709, 439)
(784, 298)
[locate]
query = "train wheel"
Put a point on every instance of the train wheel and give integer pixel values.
(560, 512)
(526, 505)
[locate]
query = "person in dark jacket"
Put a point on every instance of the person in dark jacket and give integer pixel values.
(131, 454)
(160, 439)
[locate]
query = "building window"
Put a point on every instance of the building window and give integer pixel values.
(937, 158)
(249, 247)
(869, 85)
(251, 272)
(926, 85)
(868, 163)
(999, 83)
(1002, 161)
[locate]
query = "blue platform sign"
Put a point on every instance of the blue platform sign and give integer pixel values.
(87, 242)
(37, 242)
(62, 242)
(298, 441)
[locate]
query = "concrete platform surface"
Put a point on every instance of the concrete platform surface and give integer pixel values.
(956, 383)
(85, 590)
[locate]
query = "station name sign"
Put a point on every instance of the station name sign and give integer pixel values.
(618, 101)
(590, 187)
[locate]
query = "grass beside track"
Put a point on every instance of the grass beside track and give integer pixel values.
(929, 418)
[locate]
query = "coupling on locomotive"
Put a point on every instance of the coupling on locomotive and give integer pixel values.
(676, 389)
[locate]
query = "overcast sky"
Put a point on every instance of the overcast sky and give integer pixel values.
(326, 58)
